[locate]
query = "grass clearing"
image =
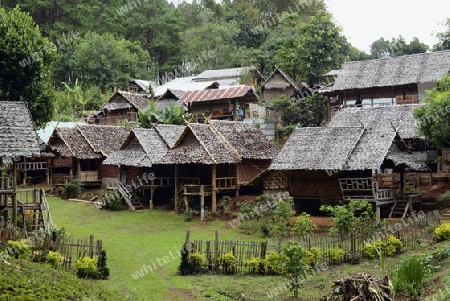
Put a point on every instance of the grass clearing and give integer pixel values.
(150, 237)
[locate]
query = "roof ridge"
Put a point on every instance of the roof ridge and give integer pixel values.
(364, 129)
(225, 140)
(140, 143)
(65, 142)
(201, 143)
(87, 140)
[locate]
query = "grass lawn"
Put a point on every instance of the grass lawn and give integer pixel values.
(150, 237)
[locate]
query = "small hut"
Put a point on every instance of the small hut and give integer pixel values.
(279, 83)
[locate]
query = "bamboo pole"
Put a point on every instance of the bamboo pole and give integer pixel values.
(176, 188)
(213, 192)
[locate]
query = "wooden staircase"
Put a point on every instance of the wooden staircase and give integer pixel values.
(445, 215)
(131, 201)
(180, 203)
(400, 209)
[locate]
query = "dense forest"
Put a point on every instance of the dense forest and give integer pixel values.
(101, 45)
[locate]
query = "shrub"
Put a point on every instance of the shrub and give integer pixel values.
(408, 276)
(72, 189)
(393, 245)
(54, 259)
(225, 203)
(185, 267)
(86, 267)
(111, 200)
(445, 197)
(370, 251)
(20, 249)
(273, 263)
(188, 215)
(336, 255)
(313, 256)
(442, 232)
(102, 269)
(227, 262)
(255, 265)
(197, 262)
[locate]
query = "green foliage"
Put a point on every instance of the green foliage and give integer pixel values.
(185, 267)
(442, 232)
(350, 215)
(25, 62)
(304, 225)
(102, 267)
(293, 264)
(72, 189)
(393, 245)
(336, 254)
(443, 37)
(432, 118)
(313, 256)
(54, 259)
(20, 249)
(390, 247)
(86, 267)
(197, 262)
(225, 204)
(408, 276)
(273, 263)
(111, 200)
(227, 262)
(445, 197)
(256, 265)
(280, 221)
(172, 114)
(109, 63)
(304, 112)
(382, 48)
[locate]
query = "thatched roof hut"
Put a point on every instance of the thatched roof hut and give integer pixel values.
(145, 147)
(343, 148)
(69, 142)
(379, 118)
(104, 139)
(125, 100)
(279, 83)
(18, 134)
(393, 71)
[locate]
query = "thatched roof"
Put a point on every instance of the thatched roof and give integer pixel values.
(145, 147)
(271, 83)
(343, 148)
(217, 94)
(17, 133)
(399, 157)
(69, 142)
(201, 144)
(379, 118)
(393, 71)
(104, 139)
(145, 84)
(317, 148)
(124, 100)
(170, 133)
(246, 138)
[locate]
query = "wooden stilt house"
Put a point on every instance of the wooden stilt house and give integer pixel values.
(18, 141)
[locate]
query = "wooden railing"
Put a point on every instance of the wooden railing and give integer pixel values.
(364, 188)
(31, 165)
(88, 176)
(226, 183)
(6, 183)
(61, 178)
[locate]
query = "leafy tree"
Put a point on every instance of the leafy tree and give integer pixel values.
(304, 225)
(444, 38)
(396, 47)
(304, 112)
(314, 48)
(433, 119)
(347, 217)
(25, 58)
(103, 61)
(293, 264)
(280, 220)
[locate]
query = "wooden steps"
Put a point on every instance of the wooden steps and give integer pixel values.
(400, 209)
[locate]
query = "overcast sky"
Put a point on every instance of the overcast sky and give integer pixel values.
(365, 21)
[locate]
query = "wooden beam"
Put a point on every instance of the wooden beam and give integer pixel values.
(202, 202)
(213, 192)
(25, 174)
(14, 195)
(176, 188)
(402, 184)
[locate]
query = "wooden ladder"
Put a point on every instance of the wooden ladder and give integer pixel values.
(128, 197)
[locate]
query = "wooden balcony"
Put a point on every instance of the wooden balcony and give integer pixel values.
(32, 166)
(226, 183)
(365, 189)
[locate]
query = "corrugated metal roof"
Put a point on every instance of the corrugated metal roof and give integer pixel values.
(215, 94)
(221, 73)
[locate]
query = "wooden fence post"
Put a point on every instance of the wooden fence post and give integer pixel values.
(91, 246)
(216, 247)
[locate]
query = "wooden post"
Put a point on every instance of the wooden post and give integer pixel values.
(402, 184)
(91, 245)
(176, 188)
(202, 202)
(213, 192)
(79, 169)
(237, 180)
(216, 248)
(14, 195)
(378, 213)
(25, 173)
(152, 191)
(185, 198)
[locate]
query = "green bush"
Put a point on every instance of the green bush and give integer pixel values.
(72, 189)
(445, 197)
(54, 259)
(336, 255)
(227, 262)
(255, 265)
(102, 268)
(393, 245)
(273, 263)
(370, 251)
(408, 276)
(313, 256)
(20, 249)
(86, 267)
(442, 232)
(197, 262)
(111, 200)
(185, 267)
